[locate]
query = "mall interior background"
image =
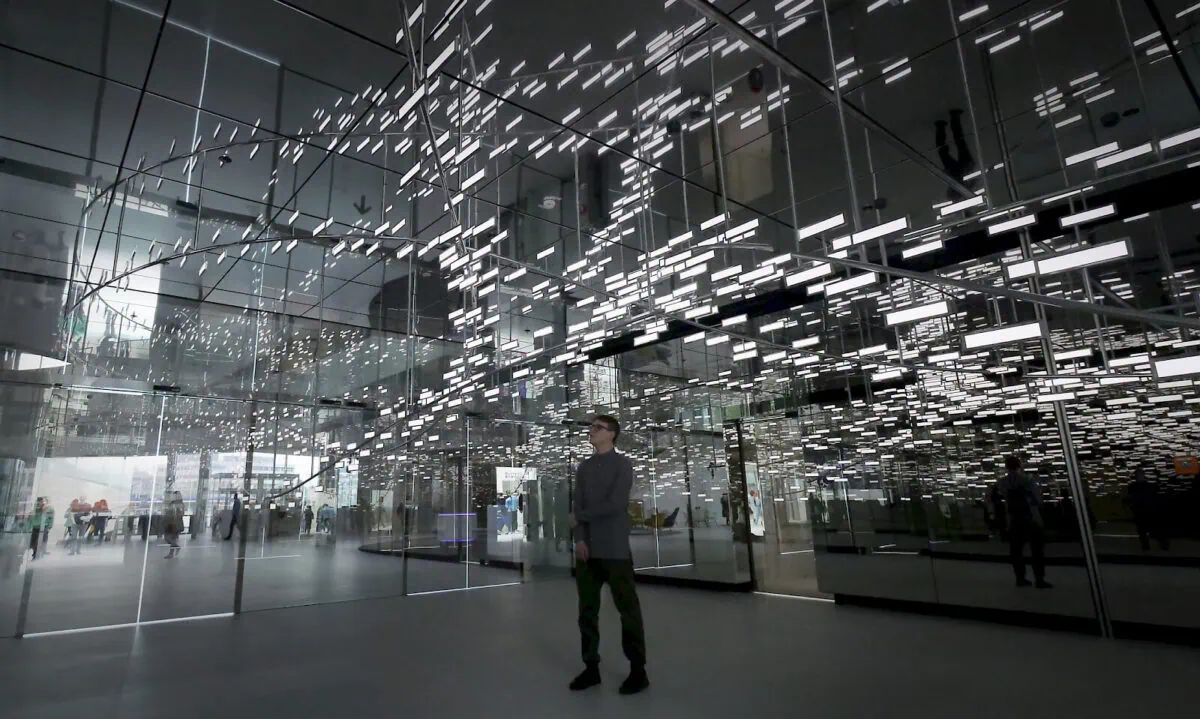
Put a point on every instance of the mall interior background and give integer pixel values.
(384, 260)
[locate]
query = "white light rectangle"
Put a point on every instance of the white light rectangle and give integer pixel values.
(974, 12)
(1088, 216)
(1178, 367)
(922, 249)
(1119, 157)
(1002, 335)
(854, 283)
(822, 226)
(1181, 138)
(1084, 258)
(1010, 225)
(1007, 43)
(968, 203)
(880, 230)
(1093, 153)
(817, 272)
(914, 314)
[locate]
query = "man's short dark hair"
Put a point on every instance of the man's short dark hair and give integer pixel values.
(612, 423)
(1012, 463)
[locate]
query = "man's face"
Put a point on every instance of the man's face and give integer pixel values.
(599, 433)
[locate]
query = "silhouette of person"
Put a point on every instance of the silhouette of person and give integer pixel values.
(1019, 506)
(1142, 497)
(962, 165)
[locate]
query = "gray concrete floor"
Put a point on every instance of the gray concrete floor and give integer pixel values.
(511, 650)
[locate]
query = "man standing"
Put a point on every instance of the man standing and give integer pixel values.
(603, 483)
(1019, 505)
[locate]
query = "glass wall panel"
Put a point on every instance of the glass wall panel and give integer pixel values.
(102, 476)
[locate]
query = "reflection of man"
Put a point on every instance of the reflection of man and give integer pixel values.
(1019, 509)
(1142, 498)
(603, 484)
(234, 517)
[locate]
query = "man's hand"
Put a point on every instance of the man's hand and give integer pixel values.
(571, 521)
(581, 551)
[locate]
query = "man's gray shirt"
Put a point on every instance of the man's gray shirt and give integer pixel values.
(603, 483)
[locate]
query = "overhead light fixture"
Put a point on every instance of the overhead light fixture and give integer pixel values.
(1010, 225)
(1002, 335)
(822, 226)
(914, 314)
(1088, 216)
(1084, 258)
(1177, 367)
(854, 283)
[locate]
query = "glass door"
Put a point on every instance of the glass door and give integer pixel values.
(783, 502)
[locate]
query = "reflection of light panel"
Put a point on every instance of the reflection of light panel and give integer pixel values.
(1178, 367)
(1002, 335)
(854, 283)
(1017, 270)
(880, 230)
(922, 249)
(817, 272)
(966, 204)
(1138, 151)
(1181, 138)
(1010, 225)
(1084, 258)
(822, 226)
(1093, 153)
(1088, 216)
(913, 314)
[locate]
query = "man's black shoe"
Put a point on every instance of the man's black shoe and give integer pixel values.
(637, 681)
(586, 680)
(1024, 583)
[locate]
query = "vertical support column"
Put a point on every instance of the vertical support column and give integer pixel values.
(737, 449)
(239, 582)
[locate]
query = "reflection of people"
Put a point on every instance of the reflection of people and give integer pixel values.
(78, 516)
(603, 483)
(1142, 497)
(308, 519)
(235, 517)
(36, 525)
(325, 517)
(725, 507)
(47, 525)
(1019, 510)
(962, 165)
(173, 521)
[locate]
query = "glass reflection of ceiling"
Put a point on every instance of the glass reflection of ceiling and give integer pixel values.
(925, 347)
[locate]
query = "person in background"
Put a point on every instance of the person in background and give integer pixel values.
(36, 525)
(1142, 498)
(1019, 506)
(603, 483)
(235, 516)
(47, 525)
(962, 165)
(78, 517)
(173, 522)
(308, 519)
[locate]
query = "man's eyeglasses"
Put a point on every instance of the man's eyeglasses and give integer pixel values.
(604, 427)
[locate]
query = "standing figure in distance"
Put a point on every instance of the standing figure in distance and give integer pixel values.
(1019, 507)
(603, 483)
(962, 165)
(308, 519)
